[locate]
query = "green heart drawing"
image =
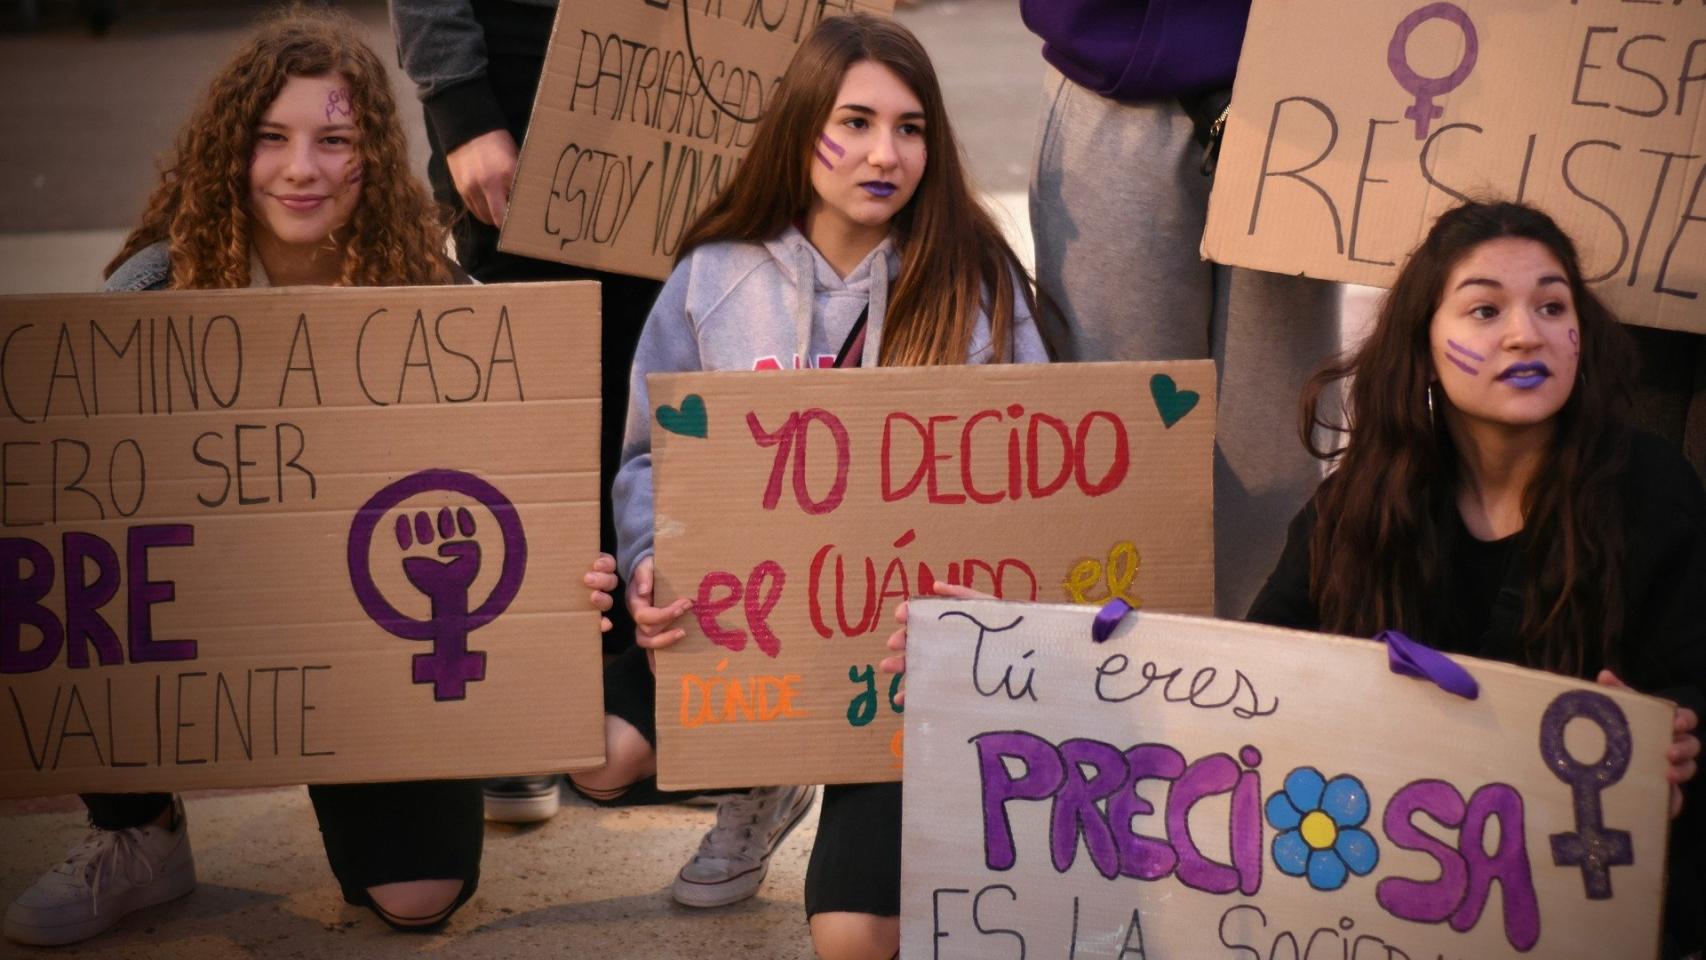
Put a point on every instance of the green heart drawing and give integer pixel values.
(689, 421)
(1171, 402)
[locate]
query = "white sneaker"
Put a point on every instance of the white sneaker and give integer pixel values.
(109, 874)
(734, 857)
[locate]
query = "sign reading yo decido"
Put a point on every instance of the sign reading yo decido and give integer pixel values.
(798, 508)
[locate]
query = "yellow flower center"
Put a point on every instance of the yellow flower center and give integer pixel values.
(1319, 831)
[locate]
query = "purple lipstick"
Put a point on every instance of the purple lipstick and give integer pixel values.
(878, 188)
(1525, 376)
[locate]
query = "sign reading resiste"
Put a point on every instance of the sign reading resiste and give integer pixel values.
(645, 110)
(1353, 126)
(297, 535)
(1201, 788)
(799, 508)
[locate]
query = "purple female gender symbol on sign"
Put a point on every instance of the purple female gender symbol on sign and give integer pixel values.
(1424, 111)
(451, 666)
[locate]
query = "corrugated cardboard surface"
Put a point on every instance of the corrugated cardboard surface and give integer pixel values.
(644, 113)
(263, 422)
(1593, 111)
(1277, 701)
(824, 566)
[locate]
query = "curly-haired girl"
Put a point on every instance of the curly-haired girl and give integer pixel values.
(292, 170)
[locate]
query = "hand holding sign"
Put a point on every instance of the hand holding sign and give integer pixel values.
(897, 640)
(602, 579)
(655, 625)
(1684, 748)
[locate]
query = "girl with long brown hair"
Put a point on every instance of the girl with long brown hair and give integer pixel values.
(1486, 501)
(292, 170)
(848, 237)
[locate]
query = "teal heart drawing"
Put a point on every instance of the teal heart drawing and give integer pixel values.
(689, 420)
(1171, 402)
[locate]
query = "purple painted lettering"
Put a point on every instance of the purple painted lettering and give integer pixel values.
(1209, 776)
(1044, 773)
(145, 593)
(20, 603)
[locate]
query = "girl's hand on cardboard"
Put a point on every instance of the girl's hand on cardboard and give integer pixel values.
(1684, 750)
(602, 579)
(897, 640)
(654, 627)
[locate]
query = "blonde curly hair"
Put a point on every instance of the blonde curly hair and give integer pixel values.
(395, 235)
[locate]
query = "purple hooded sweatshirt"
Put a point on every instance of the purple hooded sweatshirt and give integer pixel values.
(1141, 49)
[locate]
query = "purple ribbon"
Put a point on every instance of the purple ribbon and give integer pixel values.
(1413, 658)
(1108, 618)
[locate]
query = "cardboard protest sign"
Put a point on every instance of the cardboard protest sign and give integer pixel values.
(1353, 126)
(799, 508)
(645, 110)
(297, 535)
(1195, 788)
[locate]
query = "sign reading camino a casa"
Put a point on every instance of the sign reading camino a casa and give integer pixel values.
(257, 537)
(1204, 788)
(799, 508)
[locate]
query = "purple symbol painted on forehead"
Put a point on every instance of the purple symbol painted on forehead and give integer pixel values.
(1466, 368)
(338, 104)
(1460, 348)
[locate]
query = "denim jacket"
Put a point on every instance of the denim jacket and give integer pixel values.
(148, 269)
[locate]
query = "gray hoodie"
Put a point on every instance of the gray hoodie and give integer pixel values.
(751, 306)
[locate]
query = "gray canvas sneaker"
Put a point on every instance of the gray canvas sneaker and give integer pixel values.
(522, 799)
(734, 857)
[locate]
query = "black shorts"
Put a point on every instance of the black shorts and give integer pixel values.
(377, 833)
(631, 692)
(855, 864)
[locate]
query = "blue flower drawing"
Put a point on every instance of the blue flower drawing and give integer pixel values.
(1320, 828)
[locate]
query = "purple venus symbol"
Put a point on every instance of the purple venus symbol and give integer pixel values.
(451, 666)
(1424, 111)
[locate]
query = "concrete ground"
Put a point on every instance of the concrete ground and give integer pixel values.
(82, 128)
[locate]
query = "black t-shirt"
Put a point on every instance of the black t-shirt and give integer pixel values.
(1663, 647)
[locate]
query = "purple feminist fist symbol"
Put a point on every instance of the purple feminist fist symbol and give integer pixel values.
(451, 666)
(1424, 111)
(1592, 846)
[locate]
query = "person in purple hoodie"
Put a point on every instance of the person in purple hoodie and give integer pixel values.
(1118, 201)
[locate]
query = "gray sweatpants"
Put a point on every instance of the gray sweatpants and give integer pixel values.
(1117, 208)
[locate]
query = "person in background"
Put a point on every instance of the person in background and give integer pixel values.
(1119, 197)
(476, 66)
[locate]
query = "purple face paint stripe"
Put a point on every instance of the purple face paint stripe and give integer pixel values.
(834, 147)
(823, 159)
(1460, 348)
(1466, 368)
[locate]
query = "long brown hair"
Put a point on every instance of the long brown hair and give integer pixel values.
(952, 255)
(1386, 513)
(201, 206)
